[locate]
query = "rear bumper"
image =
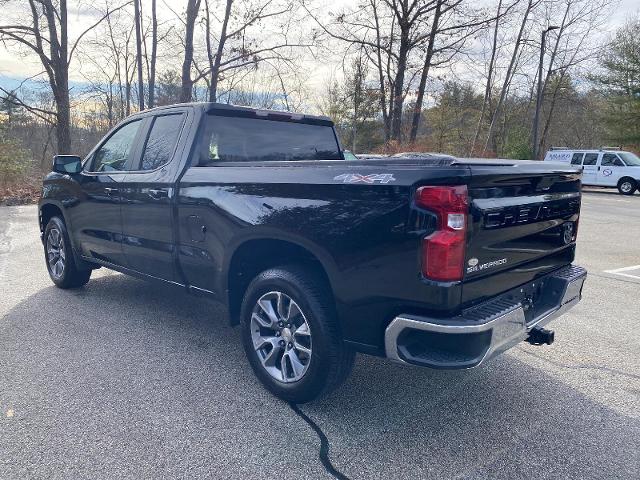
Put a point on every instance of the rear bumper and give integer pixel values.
(483, 331)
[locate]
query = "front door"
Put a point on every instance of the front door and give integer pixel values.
(96, 218)
(590, 169)
(611, 170)
(148, 198)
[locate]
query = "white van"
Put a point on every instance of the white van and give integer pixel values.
(607, 167)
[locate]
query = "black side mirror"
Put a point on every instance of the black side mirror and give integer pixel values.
(67, 164)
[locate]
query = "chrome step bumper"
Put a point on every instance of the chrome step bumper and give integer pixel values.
(485, 330)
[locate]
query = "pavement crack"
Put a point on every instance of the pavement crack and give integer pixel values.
(582, 367)
(323, 454)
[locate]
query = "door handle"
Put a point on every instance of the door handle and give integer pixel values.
(158, 193)
(110, 191)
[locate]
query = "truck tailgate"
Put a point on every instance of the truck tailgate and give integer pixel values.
(522, 224)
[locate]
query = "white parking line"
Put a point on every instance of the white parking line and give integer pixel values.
(621, 271)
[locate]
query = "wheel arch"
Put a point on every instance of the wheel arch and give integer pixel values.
(627, 177)
(47, 211)
(633, 182)
(255, 255)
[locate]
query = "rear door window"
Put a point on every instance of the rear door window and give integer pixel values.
(162, 140)
(577, 159)
(241, 139)
(590, 159)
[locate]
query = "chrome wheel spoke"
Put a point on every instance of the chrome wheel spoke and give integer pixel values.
(293, 311)
(303, 330)
(56, 255)
(267, 307)
(301, 348)
(270, 358)
(261, 321)
(297, 367)
(280, 305)
(284, 369)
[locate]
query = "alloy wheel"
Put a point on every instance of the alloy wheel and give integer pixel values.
(281, 336)
(56, 256)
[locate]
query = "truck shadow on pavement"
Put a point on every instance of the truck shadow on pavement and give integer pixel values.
(129, 379)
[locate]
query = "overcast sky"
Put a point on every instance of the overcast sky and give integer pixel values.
(19, 67)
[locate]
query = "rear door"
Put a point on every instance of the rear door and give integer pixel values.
(590, 169)
(147, 196)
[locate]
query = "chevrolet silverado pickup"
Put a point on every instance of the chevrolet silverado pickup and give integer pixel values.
(430, 261)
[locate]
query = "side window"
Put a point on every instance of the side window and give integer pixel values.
(577, 159)
(611, 160)
(114, 153)
(161, 142)
(590, 159)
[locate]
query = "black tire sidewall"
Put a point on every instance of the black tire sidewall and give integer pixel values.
(316, 377)
(71, 276)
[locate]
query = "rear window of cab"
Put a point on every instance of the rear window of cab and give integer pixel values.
(242, 139)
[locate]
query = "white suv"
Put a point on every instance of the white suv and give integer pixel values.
(607, 167)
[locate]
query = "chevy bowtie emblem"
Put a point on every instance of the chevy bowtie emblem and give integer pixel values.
(568, 233)
(358, 178)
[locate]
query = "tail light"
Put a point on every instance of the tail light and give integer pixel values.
(443, 251)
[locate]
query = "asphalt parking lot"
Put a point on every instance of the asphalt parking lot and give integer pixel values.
(123, 379)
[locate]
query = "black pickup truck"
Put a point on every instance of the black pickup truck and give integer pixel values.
(430, 261)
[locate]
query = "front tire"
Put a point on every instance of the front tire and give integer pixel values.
(627, 186)
(59, 257)
(290, 334)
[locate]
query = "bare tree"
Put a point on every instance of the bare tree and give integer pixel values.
(216, 59)
(136, 6)
(495, 117)
(570, 49)
(154, 54)
(193, 6)
(393, 33)
(486, 101)
(44, 31)
(243, 44)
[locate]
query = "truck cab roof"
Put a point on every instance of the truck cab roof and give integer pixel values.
(226, 109)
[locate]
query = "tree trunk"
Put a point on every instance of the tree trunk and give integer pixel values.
(187, 83)
(417, 109)
(507, 81)
(215, 70)
(61, 69)
(63, 122)
(381, 78)
(154, 54)
(486, 101)
(136, 7)
(398, 93)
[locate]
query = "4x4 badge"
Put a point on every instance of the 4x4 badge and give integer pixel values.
(358, 178)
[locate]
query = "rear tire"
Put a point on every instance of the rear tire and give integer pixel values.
(287, 312)
(627, 186)
(59, 257)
